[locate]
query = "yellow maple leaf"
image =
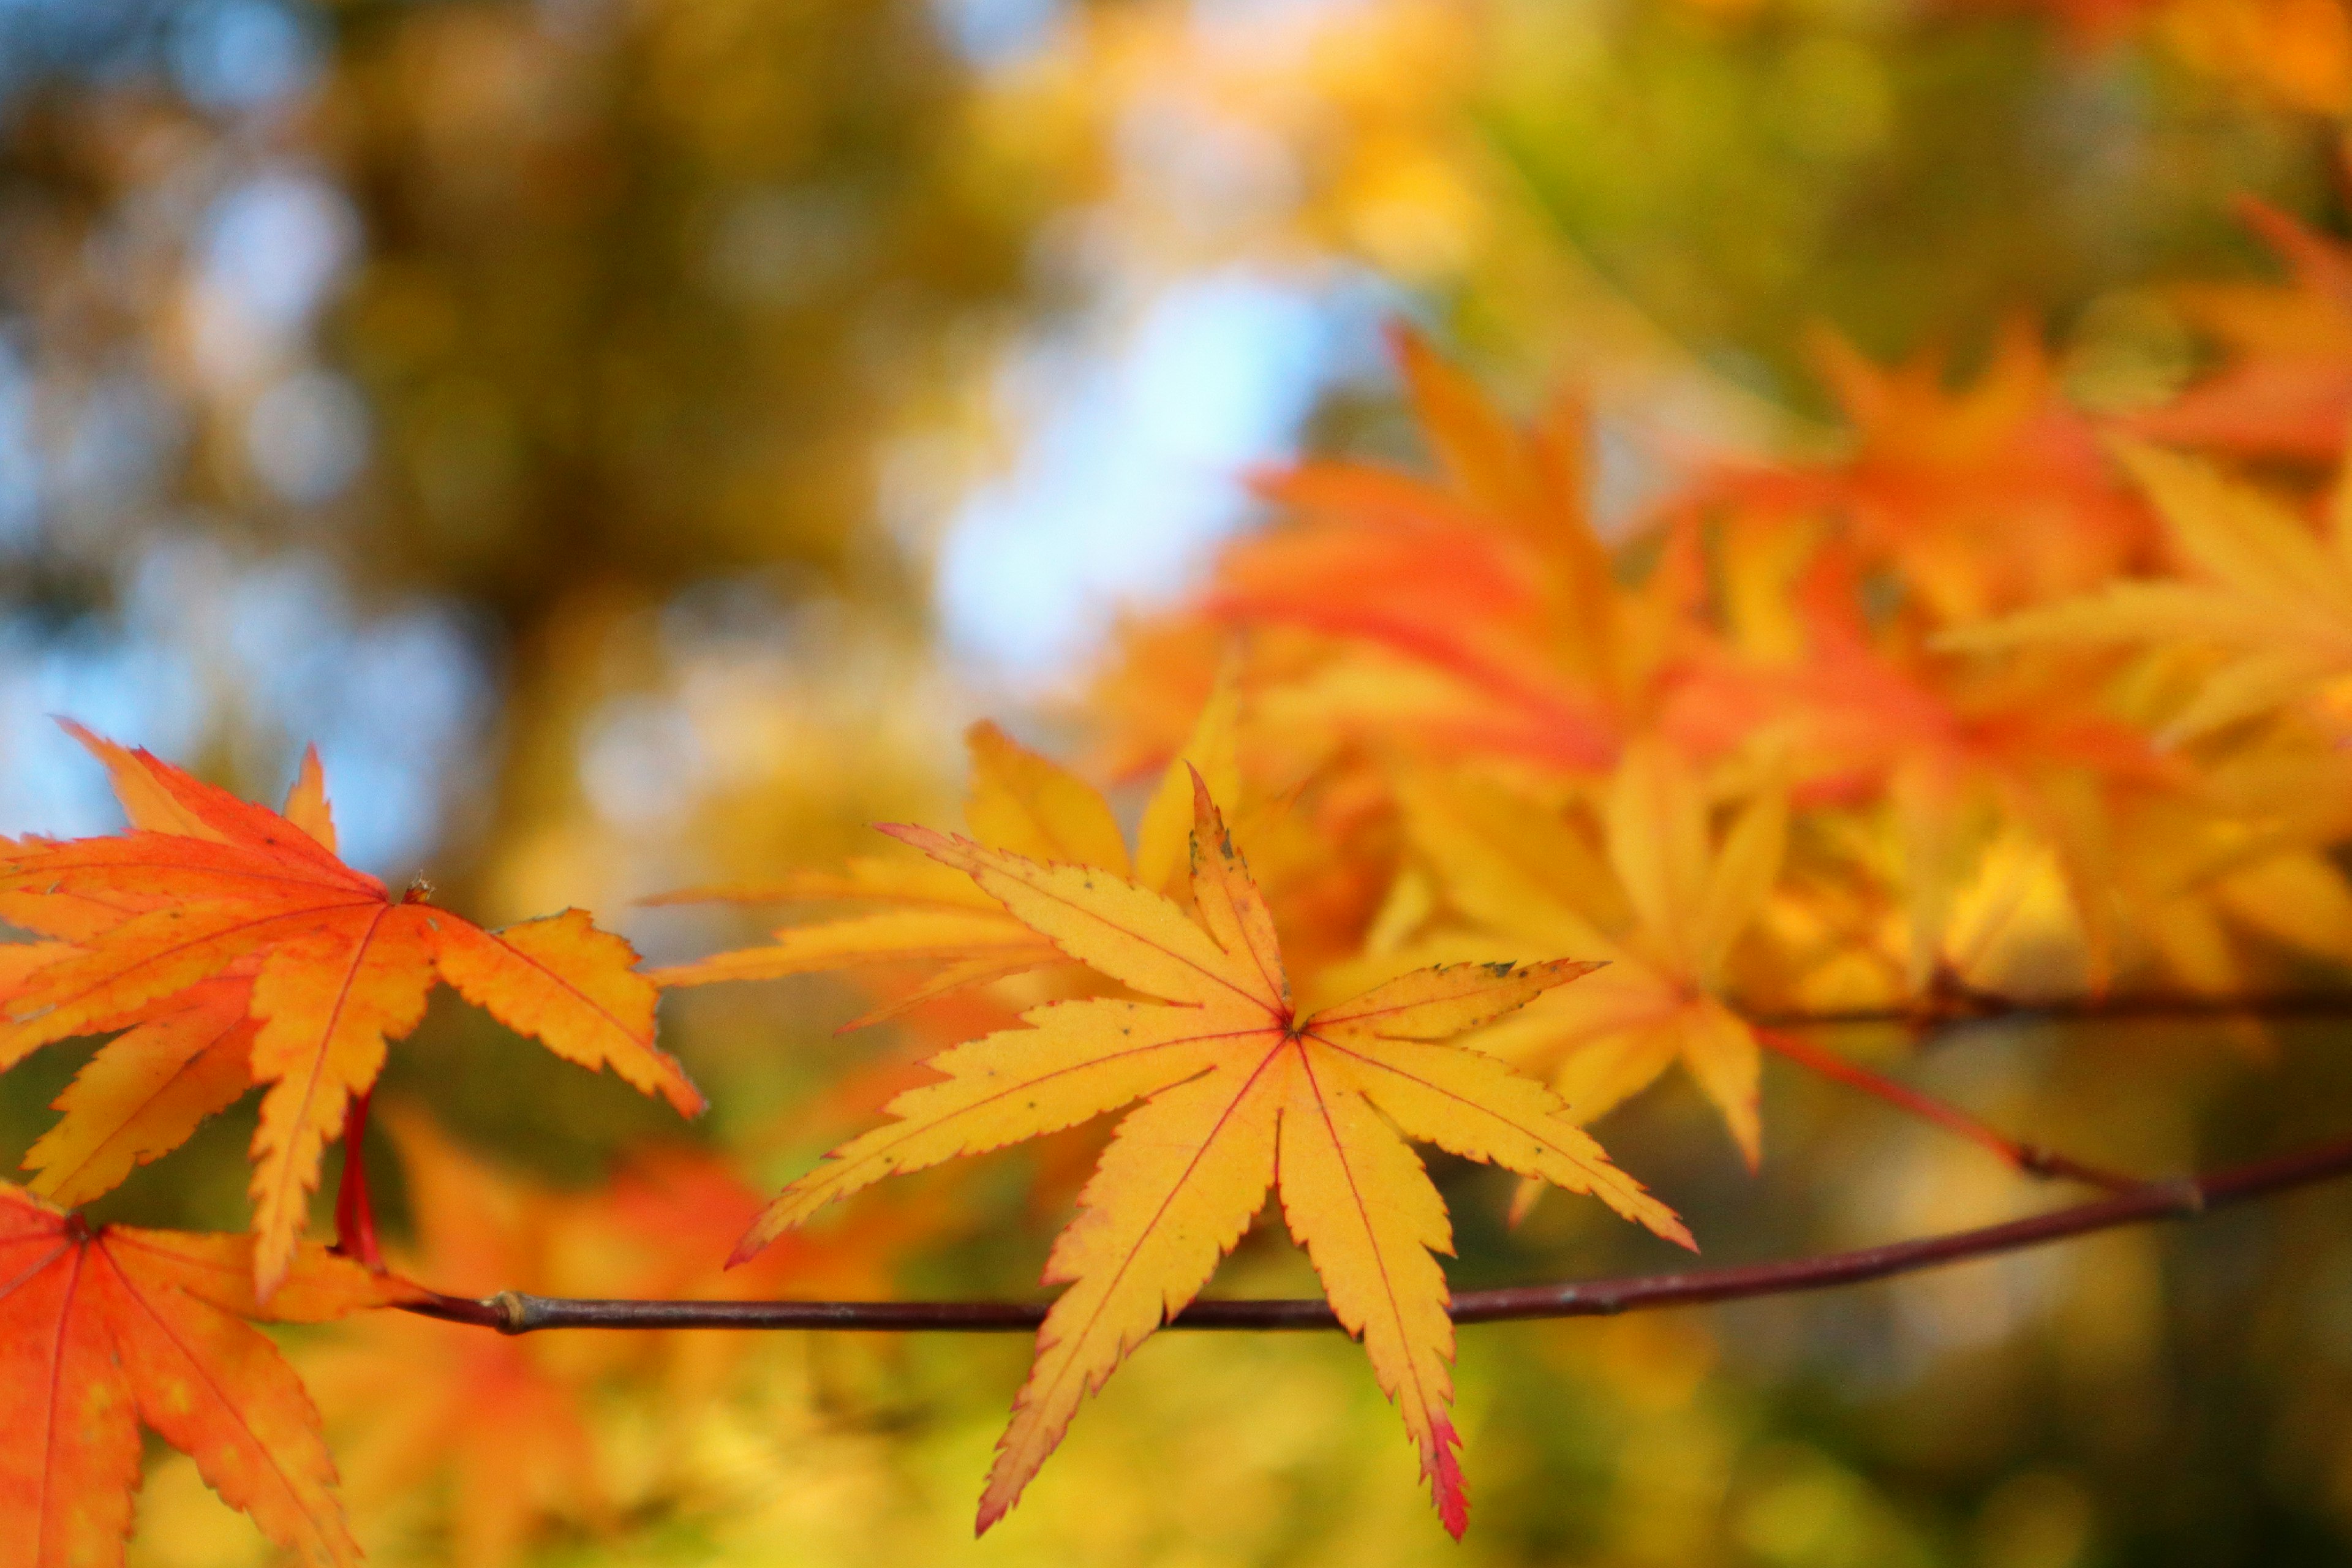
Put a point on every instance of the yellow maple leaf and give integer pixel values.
(2272, 598)
(1660, 899)
(921, 912)
(1242, 1091)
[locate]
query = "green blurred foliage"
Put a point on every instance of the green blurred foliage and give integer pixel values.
(1907, 182)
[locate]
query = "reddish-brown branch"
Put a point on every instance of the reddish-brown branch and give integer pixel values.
(2031, 1159)
(514, 1313)
(355, 1211)
(1950, 1007)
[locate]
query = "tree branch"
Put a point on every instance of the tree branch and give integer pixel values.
(514, 1313)
(1946, 1007)
(2032, 1158)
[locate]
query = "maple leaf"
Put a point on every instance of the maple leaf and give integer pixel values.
(932, 915)
(104, 1330)
(2286, 390)
(1482, 611)
(1660, 899)
(147, 1090)
(211, 905)
(2186, 885)
(1241, 1091)
(1978, 499)
(2273, 598)
(1875, 716)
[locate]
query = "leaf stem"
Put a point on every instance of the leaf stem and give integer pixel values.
(2186, 1198)
(355, 1211)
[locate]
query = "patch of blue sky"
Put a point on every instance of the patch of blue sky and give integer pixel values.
(308, 436)
(1136, 462)
(640, 757)
(275, 245)
(133, 690)
(997, 32)
(403, 738)
(116, 446)
(243, 55)
(397, 701)
(38, 38)
(231, 56)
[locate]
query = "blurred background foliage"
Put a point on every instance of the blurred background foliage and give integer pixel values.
(632, 436)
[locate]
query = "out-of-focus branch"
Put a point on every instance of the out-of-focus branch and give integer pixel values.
(514, 1313)
(1947, 1006)
(2032, 1158)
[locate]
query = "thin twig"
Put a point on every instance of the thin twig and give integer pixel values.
(2031, 1158)
(513, 1312)
(1947, 1009)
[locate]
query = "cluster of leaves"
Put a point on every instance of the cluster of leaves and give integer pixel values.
(1997, 703)
(229, 946)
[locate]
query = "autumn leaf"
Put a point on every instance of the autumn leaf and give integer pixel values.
(1869, 715)
(147, 1090)
(1240, 1093)
(920, 913)
(2284, 388)
(924, 914)
(1660, 897)
(2269, 595)
(1481, 613)
(1978, 499)
(105, 1329)
(213, 906)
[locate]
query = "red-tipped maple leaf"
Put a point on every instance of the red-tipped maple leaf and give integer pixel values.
(1240, 1090)
(212, 907)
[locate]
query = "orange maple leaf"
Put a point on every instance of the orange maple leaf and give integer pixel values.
(1241, 1092)
(2285, 388)
(1481, 614)
(1978, 499)
(104, 1330)
(213, 907)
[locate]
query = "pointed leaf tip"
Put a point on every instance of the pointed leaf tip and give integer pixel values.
(306, 803)
(1442, 1466)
